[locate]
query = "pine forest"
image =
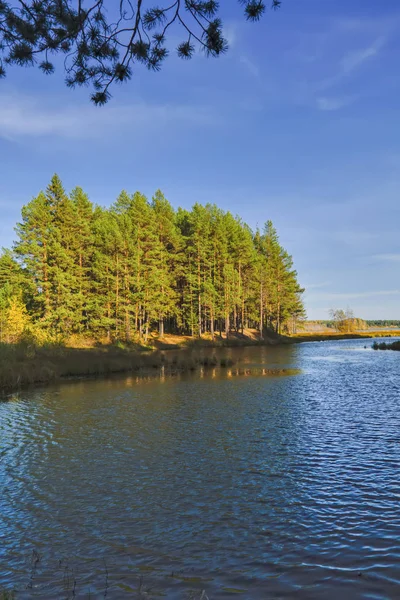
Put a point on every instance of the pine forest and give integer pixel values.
(141, 268)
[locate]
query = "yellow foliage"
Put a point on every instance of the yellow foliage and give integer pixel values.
(17, 319)
(351, 325)
(35, 334)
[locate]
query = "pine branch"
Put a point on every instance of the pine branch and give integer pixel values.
(99, 52)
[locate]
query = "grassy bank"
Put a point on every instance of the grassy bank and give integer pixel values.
(249, 337)
(386, 346)
(25, 364)
(22, 365)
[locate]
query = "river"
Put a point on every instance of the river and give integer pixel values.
(276, 478)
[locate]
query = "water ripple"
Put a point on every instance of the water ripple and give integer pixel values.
(277, 478)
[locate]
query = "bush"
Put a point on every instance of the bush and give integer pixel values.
(386, 346)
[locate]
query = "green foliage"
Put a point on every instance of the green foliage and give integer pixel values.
(101, 45)
(122, 273)
(383, 323)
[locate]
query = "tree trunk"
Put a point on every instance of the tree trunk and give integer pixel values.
(191, 302)
(108, 307)
(161, 327)
(116, 300)
(199, 296)
(212, 324)
(46, 282)
(242, 318)
(127, 315)
(278, 320)
(80, 290)
(227, 324)
(137, 312)
(241, 297)
(140, 327)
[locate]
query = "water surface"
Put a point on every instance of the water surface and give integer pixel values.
(233, 481)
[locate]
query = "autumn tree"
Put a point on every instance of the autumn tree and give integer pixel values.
(344, 320)
(13, 284)
(16, 319)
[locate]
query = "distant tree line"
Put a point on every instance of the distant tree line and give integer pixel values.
(140, 266)
(338, 316)
(383, 323)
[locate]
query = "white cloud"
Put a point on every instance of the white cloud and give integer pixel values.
(385, 24)
(250, 66)
(24, 116)
(354, 295)
(330, 104)
(354, 60)
(388, 257)
(348, 65)
(314, 286)
(353, 237)
(231, 33)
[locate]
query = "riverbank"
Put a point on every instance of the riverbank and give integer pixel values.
(23, 364)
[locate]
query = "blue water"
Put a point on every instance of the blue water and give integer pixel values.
(224, 483)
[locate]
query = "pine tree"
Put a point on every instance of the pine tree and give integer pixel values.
(102, 313)
(33, 248)
(83, 248)
(145, 283)
(64, 276)
(125, 258)
(169, 246)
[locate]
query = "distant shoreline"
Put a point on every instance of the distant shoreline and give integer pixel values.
(325, 337)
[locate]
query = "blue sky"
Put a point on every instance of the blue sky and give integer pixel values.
(298, 123)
